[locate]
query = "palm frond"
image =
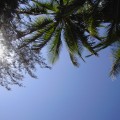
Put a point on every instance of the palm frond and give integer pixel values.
(45, 5)
(71, 42)
(39, 24)
(74, 30)
(74, 59)
(48, 33)
(37, 35)
(70, 39)
(92, 27)
(88, 45)
(116, 62)
(55, 46)
(112, 36)
(34, 37)
(66, 2)
(33, 9)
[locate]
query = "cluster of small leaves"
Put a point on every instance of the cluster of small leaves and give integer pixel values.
(15, 62)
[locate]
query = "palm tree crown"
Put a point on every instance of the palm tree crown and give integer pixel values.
(60, 20)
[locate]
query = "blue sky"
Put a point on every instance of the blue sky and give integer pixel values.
(65, 93)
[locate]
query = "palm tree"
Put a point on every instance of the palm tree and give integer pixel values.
(60, 20)
(109, 14)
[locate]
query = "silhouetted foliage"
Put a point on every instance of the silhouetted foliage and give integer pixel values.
(107, 12)
(27, 26)
(80, 19)
(54, 21)
(116, 61)
(14, 62)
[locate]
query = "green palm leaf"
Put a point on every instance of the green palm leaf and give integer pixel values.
(48, 33)
(37, 35)
(33, 9)
(71, 42)
(87, 45)
(92, 27)
(55, 46)
(116, 62)
(70, 39)
(46, 5)
(112, 35)
(39, 23)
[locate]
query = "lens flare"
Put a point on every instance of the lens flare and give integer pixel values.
(2, 47)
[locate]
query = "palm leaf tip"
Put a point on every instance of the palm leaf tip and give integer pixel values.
(115, 71)
(74, 60)
(116, 62)
(55, 46)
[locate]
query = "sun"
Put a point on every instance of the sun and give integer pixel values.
(6, 55)
(1, 51)
(2, 47)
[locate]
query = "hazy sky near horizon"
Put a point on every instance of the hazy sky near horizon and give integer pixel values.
(65, 93)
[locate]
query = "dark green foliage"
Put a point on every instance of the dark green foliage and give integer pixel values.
(30, 25)
(116, 60)
(56, 21)
(108, 13)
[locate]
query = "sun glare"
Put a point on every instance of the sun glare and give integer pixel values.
(2, 47)
(5, 54)
(1, 51)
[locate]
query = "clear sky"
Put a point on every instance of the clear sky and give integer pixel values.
(65, 93)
